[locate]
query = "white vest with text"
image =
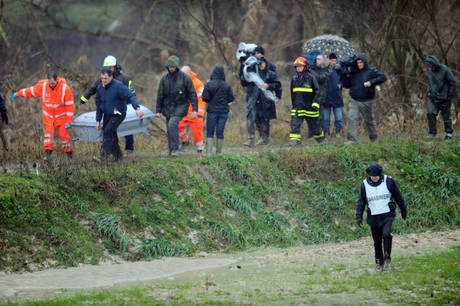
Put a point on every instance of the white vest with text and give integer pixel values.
(378, 197)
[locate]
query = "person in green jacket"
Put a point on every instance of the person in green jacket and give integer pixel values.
(441, 90)
(175, 94)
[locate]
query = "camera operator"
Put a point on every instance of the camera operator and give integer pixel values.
(361, 79)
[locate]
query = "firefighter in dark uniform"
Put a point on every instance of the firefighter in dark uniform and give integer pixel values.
(379, 193)
(304, 90)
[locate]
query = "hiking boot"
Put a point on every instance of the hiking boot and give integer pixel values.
(337, 133)
(386, 265)
(129, 152)
(176, 153)
(263, 141)
(294, 143)
(448, 136)
(321, 141)
(48, 154)
(200, 149)
(249, 143)
(378, 267)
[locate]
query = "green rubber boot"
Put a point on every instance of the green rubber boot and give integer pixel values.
(219, 146)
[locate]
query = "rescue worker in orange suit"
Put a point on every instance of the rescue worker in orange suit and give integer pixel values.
(57, 109)
(195, 125)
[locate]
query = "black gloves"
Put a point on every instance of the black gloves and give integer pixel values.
(404, 214)
(4, 117)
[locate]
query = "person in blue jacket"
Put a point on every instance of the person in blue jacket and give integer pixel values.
(333, 102)
(112, 97)
(218, 95)
(118, 74)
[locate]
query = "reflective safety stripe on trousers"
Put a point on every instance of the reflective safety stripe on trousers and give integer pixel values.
(302, 89)
(57, 116)
(294, 136)
(304, 113)
(319, 135)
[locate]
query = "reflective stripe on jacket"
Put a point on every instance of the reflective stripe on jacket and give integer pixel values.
(57, 102)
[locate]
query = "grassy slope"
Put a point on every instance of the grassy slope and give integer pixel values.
(164, 207)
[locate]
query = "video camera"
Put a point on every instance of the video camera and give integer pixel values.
(244, 51)
(347, 66)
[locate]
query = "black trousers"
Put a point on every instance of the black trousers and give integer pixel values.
(110, 145)
(263, 126)
(314, 125)
(172, 122)
(129, 142)
(433, 109)
(381, 226)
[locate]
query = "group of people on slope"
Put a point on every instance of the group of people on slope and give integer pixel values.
(190, 106)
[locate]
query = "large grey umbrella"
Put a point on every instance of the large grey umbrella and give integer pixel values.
(327, 44)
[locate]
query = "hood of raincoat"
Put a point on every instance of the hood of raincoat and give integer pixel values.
(218, 73)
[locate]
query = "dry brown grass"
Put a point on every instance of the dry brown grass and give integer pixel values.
(309, 167)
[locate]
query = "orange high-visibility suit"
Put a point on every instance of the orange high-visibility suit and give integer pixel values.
(57, 110)
(195, 125)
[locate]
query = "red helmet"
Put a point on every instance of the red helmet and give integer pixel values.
(301, 61)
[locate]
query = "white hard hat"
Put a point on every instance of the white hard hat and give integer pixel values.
(109, 61)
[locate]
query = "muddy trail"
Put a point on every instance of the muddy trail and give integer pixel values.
(87, 277)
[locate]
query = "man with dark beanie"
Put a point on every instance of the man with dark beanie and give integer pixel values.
(379, 193)
(260, 55)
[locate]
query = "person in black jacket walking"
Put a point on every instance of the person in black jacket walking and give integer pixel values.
(175, 93)
(218, 95)
(112, 97)
(266, 108)
(379, 193)
(362, 80)
(252, 93)
(3, 122)
(111, 62)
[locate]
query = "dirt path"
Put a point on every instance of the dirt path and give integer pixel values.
(85, 277)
